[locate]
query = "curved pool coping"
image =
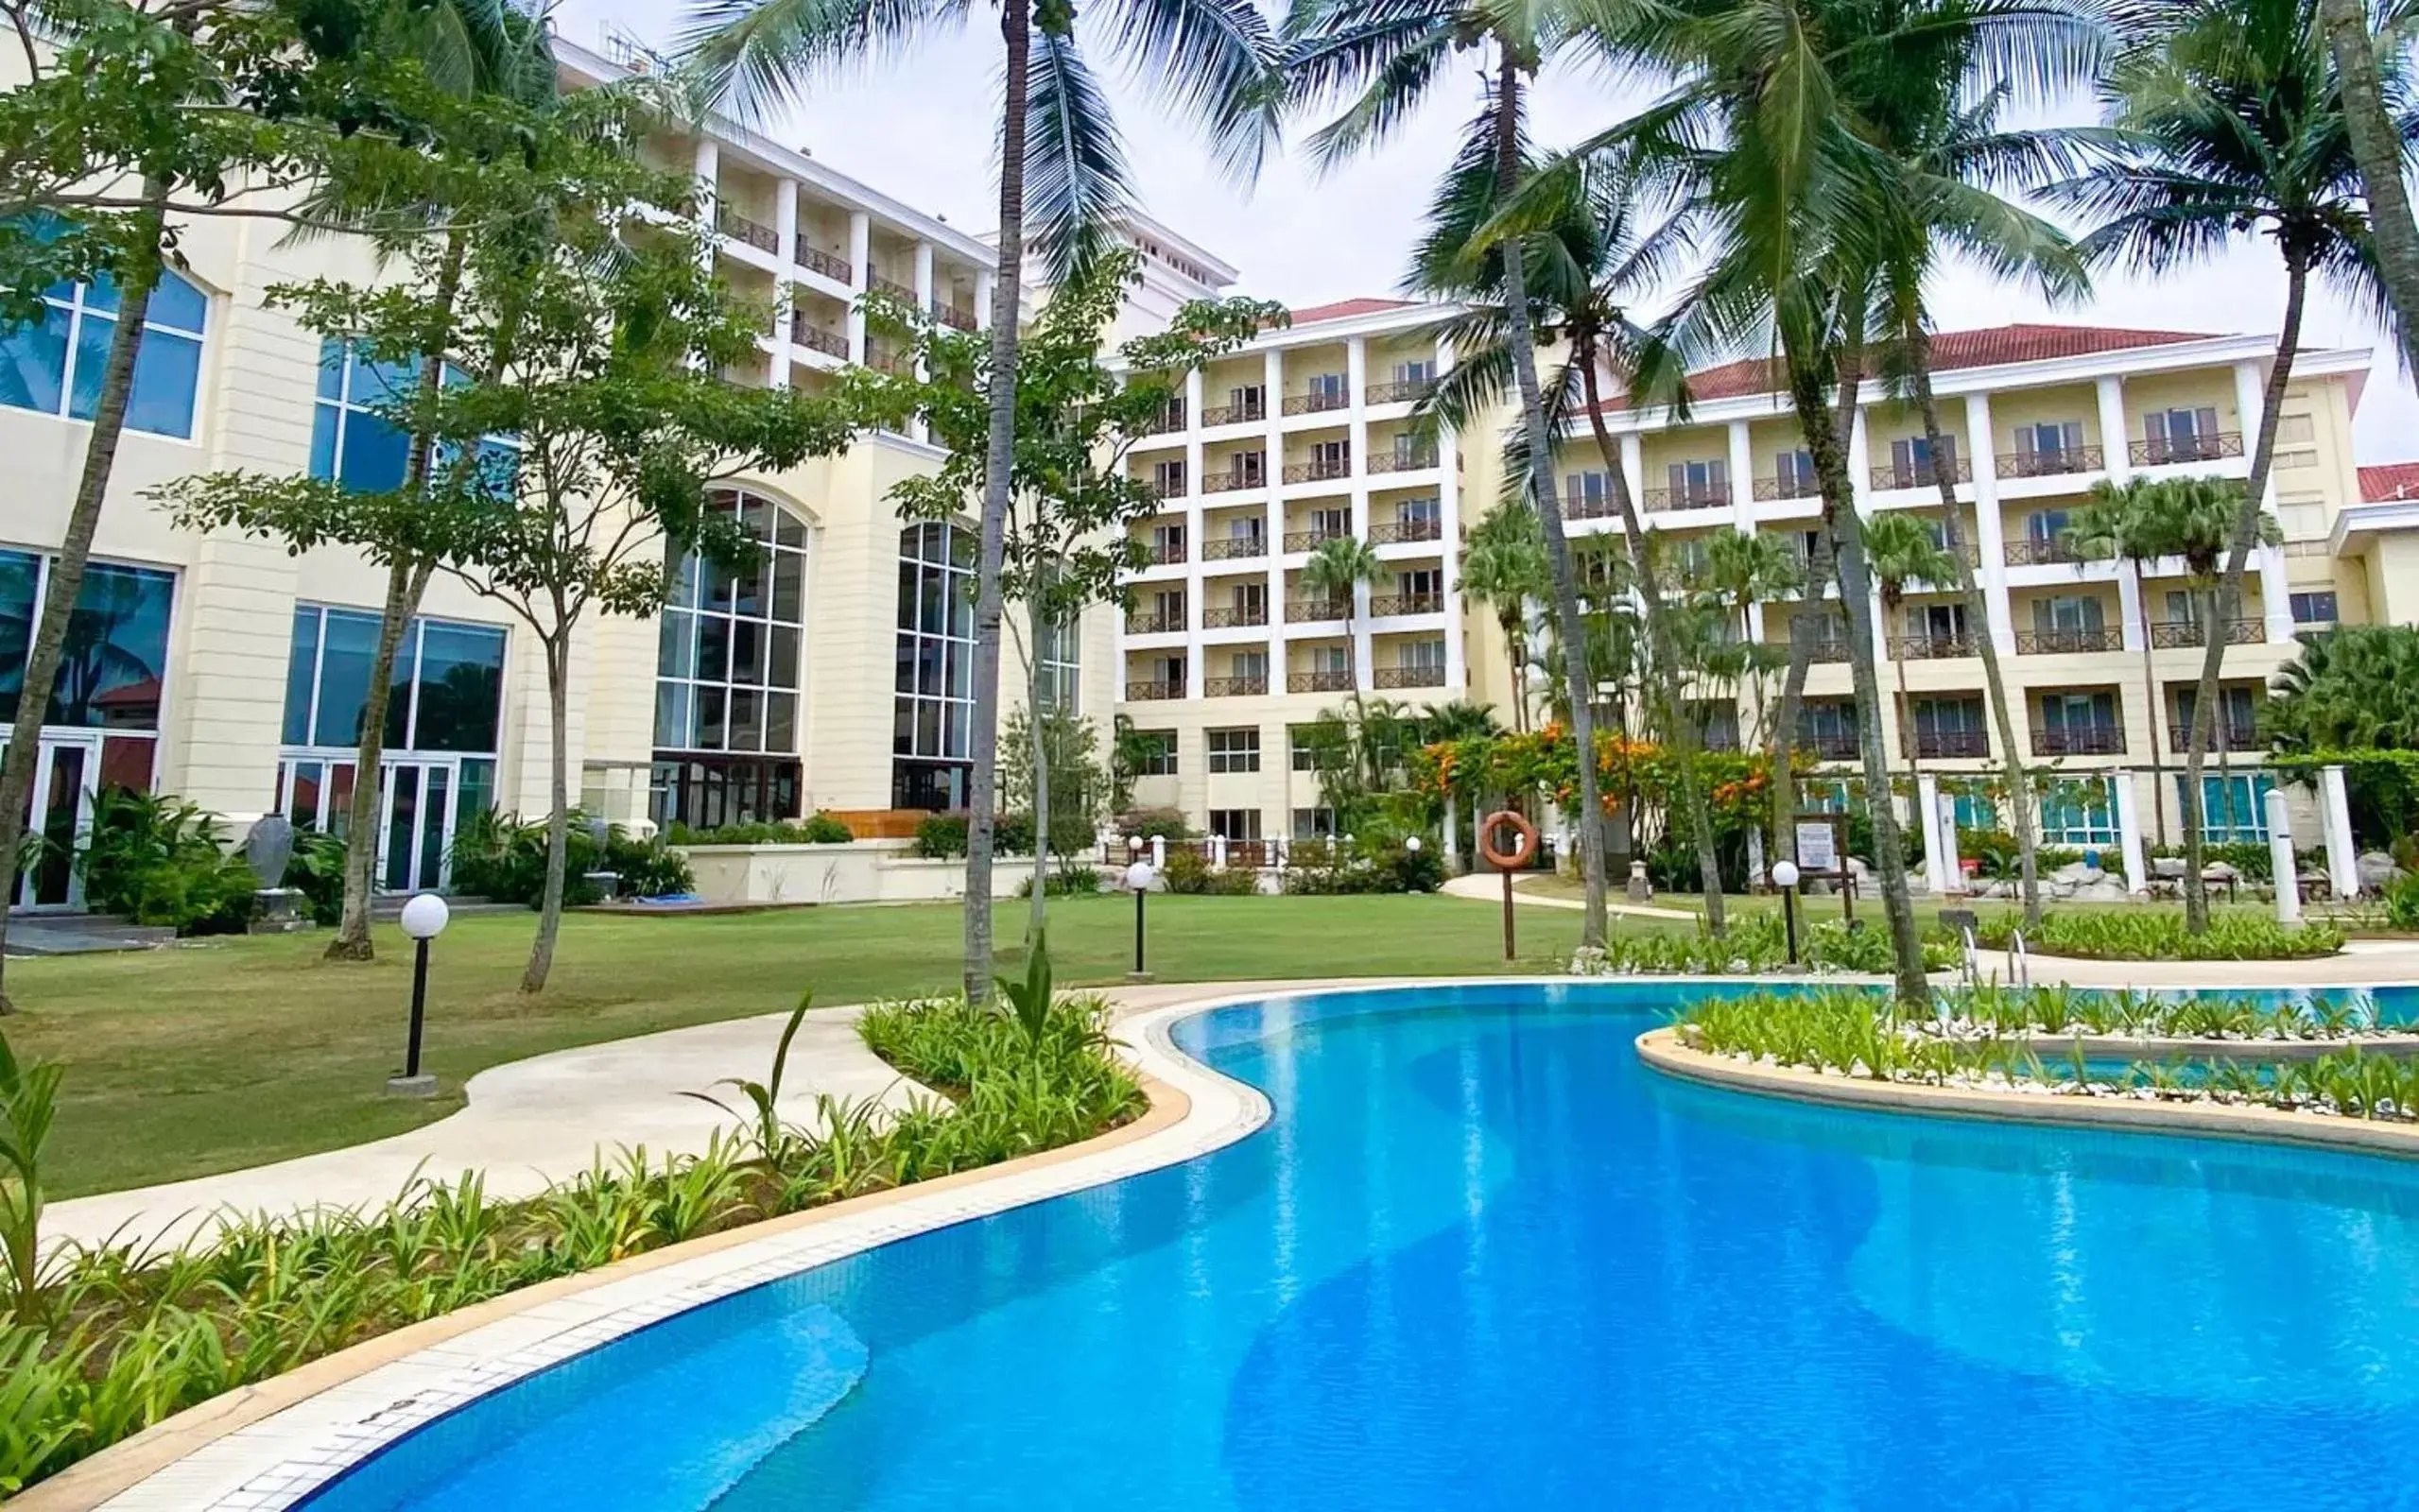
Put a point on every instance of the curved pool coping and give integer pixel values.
(1661, 1050)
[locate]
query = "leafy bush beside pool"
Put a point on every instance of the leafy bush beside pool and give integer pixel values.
(2159, 935)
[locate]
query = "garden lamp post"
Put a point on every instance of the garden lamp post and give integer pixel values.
(423, 919)
(1785, 878)
(1139, 877)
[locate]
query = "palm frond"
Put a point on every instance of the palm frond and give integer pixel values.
(1076, 177)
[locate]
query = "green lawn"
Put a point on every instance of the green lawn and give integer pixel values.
(226, 1053)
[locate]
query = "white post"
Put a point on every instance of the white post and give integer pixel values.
(1755, 867)
(784, 232)
(2116, 442)
(1452, 835)
(1989, 542)
(2280, 860)
(986, 284)
(1948, 844)
(2129, 834)
(1217, 851)
(2335, 820)
(2276, 601)
(1937, 862)
(1159, 852)
(860, 261)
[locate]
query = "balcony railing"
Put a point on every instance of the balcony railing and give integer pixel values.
(1166, 486)
(2069, 642)
(1334, 679)
(1235, 617)
(2168, 635)
(1942, 744)
(2080, 739)
(1383, 604)
(1309, 539)
(1147, 692)
(804, 331)
(1165, 552)
(1242, 687)
(1319, 470)
(815, 260)
(956, 316)
(1694, 497)
(1400, 532)
(1171, 418)
(1164, 622)
(1829, 649)
(1589, 506)
(1411, 461)
(1234, 482)
(754, 232)
(1922, 474)
(1317, 403)
(1234, 548)
(1430, 676)
(1833, 745)
(892, 288)
(2055, 463)
(2227, 735)
(2029, 552)
(1946, 647)
(2178, 449)
(1234, 414)
(1313, 610)
(1771, 490)
(1409, 392)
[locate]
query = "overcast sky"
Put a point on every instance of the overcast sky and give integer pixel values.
(922, 129)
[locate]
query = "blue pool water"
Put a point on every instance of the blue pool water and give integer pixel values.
(1482, 1259)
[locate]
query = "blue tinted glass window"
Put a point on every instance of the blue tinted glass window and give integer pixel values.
(446, 693)
(350, 640)
(168, 373)
(301, 672)
(20, 580)
(461, 687)
(54, 365)
(33, 361)
(351, 440)
(115, 657)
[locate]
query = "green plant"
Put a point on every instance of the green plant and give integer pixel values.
(764, 1097)
(156, 859)
(1028, 1001)
(1154, 824)
(2401, 901)
(1188, 871)
(498, 855)
(2159, 935)
(29, 1102)
(819, 828)
(1066, 881)
(316, 869)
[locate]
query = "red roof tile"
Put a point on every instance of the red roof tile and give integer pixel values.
(1344, 309)
(2394, 480)
(1992, 347)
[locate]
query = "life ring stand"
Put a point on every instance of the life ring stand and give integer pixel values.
(1521, 854)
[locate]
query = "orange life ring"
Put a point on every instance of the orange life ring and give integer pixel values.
(1522, 830)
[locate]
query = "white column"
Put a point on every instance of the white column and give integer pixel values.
(1948, 844)
(1939, 865)
(924, 277)
(2116, 442)
(986, 286)
(785, 231)
(2129, 608)
(860, 259)
(1742, 480)
(1633, 470)
(709, 177)
(1357, 481)
(1860, 463)
(2280, 859)
(1457, 673)
(1989, 540)
(2335, 821)
(2129, 833)
(2276, 603)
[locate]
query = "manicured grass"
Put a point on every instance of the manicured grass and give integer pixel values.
(226, 1053)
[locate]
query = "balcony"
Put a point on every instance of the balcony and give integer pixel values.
(2059, 550)
(1403, 532)
(1241, 687)
(1411, 461)
(1320, 469)
(2068, 642)
(2170, 635)
(1829, 649)
(1243, 414)
(1771, 490)
(1165, 621)
(755, 233)
(1577, 505)
(2233, 735)
(1409, 392)
(1314, 611)
(1235, 482)
(806, 333)
(2051, 464)
(1318, 403)
(1309, 539)
(1234, 548)
(1334, 679)
(1165, 552)
(1946, 647)
(1234, 617)
(1165, 485)
(956, 316)
(1152, 692)
(1694, 497)
(1171, 418)
(1951, 745)
(817, 261)
(2080, 739)
(1922, 474)
(1830, 746)
(892, 288)
(1387, 677)
(2178, 449)
(1386, 605)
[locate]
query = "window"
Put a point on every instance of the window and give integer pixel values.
(115, 658)
(2234, 807)
(352, 440)
(1248, 528)
(1584, 489)
(1302, 746)
(1167, 543)
(2051, 442)
(1420, 582)
(1414, 515)
(2076, 712)
(53, 365)
(2180, 435)
(1325, 523)
(1705, 482)
(1247, 402)
(2314, 607)
(1330, 457)
(1910, 460)
(730, 644)
(1061, 669)
(933, 703)
(1247, 470)
(1234, 750)
(1248, 667)
(1420, 370)
(1935, 622)
(1794, 472)
(1974, 811)
(1313, 824)
(1420, 655)
(1948, 716)
(1168, 479)
(447, 693)
(1234, 824)
(2067, 611)
(2082, 812)
(2047, 525)
(1155, 752)
(1327, 388)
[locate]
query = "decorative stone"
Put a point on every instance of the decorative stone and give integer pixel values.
(268, 847)
(277, 911)
(2377, 869)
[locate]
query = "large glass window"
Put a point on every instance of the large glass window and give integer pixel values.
(933, 710)
(53, 364)
(353, 437)
(1061, 668)
(2234, 806)
(116, 654)
(2079, 812)
(446, 693)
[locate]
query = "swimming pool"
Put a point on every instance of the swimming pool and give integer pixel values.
(1480, 1258)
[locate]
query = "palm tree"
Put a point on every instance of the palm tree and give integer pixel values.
(1504, 566)
(1381, 59)
(1744, 569)
(1902, 551)
(2350, 688)
(2127, 523)
(2232, 121)
(1337, 570)
(2378, 116)
(1210, 59)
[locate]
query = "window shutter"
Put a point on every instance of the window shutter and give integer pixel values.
(1677, 478)
(1902, 455)
(2154, 426)
(2204, 423)
(2025, 441)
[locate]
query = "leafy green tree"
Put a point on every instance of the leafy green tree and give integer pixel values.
(2354, 688)
(2231, 122)
(1504, 567)
(1208, 58)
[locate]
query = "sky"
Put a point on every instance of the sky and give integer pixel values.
(921, 128)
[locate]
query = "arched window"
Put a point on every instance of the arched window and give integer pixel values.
(729, 659)
(933, 711)
(53, 364)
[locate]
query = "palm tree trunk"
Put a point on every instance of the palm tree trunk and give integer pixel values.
(2213, 654)
(76, 548)
(1549, 519)
(407, 583)
(1682, 731)
(2376, 146)
(982, 742)
(558, 650)
(1978, 612)
(1906, 720)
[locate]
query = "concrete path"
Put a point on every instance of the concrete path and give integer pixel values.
(1487, 890)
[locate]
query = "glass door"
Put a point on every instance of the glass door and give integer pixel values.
(65, 777)
(416, 817)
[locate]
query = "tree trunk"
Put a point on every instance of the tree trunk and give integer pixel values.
(2246, 532)
(75, 549)
(982, 738)
(1549, 519)
(557, 812)
(1037, 919)
(1905, 718)
(1847, 538)
(1978, 612)
(2376, 146)
(1783, 742)
(2150, 697)
(407, 583)
(1681, 730)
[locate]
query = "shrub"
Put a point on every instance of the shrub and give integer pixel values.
(159, 860)
(318, 869)
(1376, 863)
(1189, 871)
(501, 856)
(2158, 935)
(817, 829)
(1160, 824)
(2402, 902)
(1065, 882)
(942, 836)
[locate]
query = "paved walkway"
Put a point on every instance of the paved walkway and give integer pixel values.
(1488, 889)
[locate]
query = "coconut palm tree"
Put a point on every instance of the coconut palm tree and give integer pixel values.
(1338, 568)
(2232, 122)
(2378, 116)
(1063, 183)
(1903, 551)
(1742, 570)
(1504, 567)
(2127, 523)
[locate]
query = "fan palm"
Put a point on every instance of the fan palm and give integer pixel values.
(1504, 567)
(1902, 550)
(1063, 183)
(2232, 122)
(2376, 109)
